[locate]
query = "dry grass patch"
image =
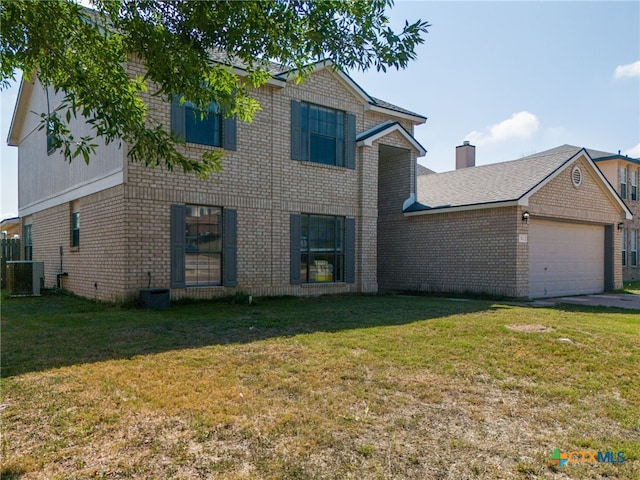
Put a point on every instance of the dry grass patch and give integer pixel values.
(339, 387)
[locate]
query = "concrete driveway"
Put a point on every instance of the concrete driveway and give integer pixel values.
(619, 300)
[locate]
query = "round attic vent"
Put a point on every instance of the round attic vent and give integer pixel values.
(576, 176)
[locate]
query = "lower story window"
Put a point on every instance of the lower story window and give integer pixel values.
(203, 256)
(203, 246)
(322, 249)
(28, 242)
(634, 248)
(624, 247)
(75, 229)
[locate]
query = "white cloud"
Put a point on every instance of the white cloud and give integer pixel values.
(633, 152)
(629, 70)
(521, 125)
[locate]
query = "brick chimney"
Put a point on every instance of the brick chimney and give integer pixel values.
(465, 155)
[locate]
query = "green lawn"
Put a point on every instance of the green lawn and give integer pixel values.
(363, 387)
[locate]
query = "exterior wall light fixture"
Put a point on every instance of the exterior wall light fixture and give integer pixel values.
(525, 217)
(620, 226)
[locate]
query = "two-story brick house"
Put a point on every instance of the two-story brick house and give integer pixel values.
(294, 210)
(623, 173)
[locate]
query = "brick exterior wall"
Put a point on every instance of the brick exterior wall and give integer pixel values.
(96, 269)
(479, 251)
(472, 251)
(125, 231)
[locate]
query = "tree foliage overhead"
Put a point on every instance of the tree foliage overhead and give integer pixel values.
(82, 54)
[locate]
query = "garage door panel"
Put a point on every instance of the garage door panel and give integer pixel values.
(565, 258)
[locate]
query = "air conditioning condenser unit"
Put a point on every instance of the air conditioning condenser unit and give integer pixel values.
(24, 278)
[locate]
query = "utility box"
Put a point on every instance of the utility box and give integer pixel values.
(154, 298)
(25, 278)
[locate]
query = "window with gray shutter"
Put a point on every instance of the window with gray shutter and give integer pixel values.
(322, 249)
(350, 250)
(295, 235)
(230, 248)
(322, 135)
(178, 244)
(190, 124)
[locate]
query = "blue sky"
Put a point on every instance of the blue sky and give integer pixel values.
(514, 78)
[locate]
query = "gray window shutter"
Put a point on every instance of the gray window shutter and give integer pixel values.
(230, 248)
(298, 143)
(178, 112)
(229, 133)
(350, 250)
(178, 245)
(350, 142)
(296, 233)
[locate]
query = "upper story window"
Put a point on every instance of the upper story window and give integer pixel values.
(51, 144)
(623, 182)
(322, 135)
(634, 185)
(209, 127)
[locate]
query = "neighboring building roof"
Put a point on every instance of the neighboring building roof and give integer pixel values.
(496, 184)
(10, 225)
(422, 170)
(599, 156)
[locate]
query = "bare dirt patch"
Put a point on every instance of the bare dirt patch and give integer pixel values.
(529, 328)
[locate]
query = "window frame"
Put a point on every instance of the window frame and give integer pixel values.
(226, 126)
(624, 247)
(623, 182)
(634, 185)
(198, 122)
(633, 248)
(75, 229)
(195, 250)
(322, 264)
(27, 235)
(298, 248)
(311, 124)
(51, 147)
(179, 246)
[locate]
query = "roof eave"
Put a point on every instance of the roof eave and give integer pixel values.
(417, 119)
(19, 111)
(462, 208)
(384, 129)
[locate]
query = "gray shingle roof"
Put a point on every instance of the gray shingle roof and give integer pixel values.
(422, 170)
(498, 182)
(391, 106)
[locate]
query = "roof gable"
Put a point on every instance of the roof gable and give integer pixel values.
(20, 111)
(367, 137)
(370, 103)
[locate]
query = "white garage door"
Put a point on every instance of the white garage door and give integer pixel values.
(565, 258)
